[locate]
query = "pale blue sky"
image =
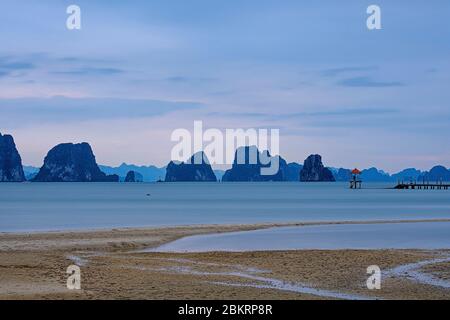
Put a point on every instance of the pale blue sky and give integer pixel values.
(139, 69)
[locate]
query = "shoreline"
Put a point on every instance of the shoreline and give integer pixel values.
(262, 225)
(33, 266)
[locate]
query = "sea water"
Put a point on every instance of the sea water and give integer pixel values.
(416, 235)
(75, 206)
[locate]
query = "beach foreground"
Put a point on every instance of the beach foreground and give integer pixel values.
(33, 266)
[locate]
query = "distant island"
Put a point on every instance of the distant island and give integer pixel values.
(70, 162)
(197, 168)
(133, 176)
(149, 173)
(248, 171)
(314, 170)
(11, 169)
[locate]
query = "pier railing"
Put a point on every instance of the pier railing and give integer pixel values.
(423, 186)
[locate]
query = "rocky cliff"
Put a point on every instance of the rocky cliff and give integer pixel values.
(314, 170)
(149, 173)
(11, 169)
(436, 174)
(197, 168)
(406, 175)
(70, 162)
(249, 165)
(133, 176)
(375, 175)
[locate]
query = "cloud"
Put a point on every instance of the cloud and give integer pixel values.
(358, 81)
(28, 111)
(240, 114)
(338, 113)
(431, 70)
(18, 65)
(192, 80)
(91, 71)
(333, 72)
(177, 79)
(82, 59)
(368, 82)
(345, 112)
(59, 65)
(9, 66)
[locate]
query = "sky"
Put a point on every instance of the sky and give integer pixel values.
(138, 70)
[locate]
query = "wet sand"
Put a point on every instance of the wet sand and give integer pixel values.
(33, 266)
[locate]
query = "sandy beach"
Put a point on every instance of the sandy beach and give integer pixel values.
(33, 266)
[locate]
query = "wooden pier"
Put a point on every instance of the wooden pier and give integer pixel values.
(355, 184)
(422, 186)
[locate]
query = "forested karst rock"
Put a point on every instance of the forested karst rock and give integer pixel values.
(70, 162)
(133, 176)
(313, 170)
(197, 168)
(11, 169)
(249, 163)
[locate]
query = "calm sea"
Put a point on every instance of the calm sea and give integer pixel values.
(73, 206)
(417, 235)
